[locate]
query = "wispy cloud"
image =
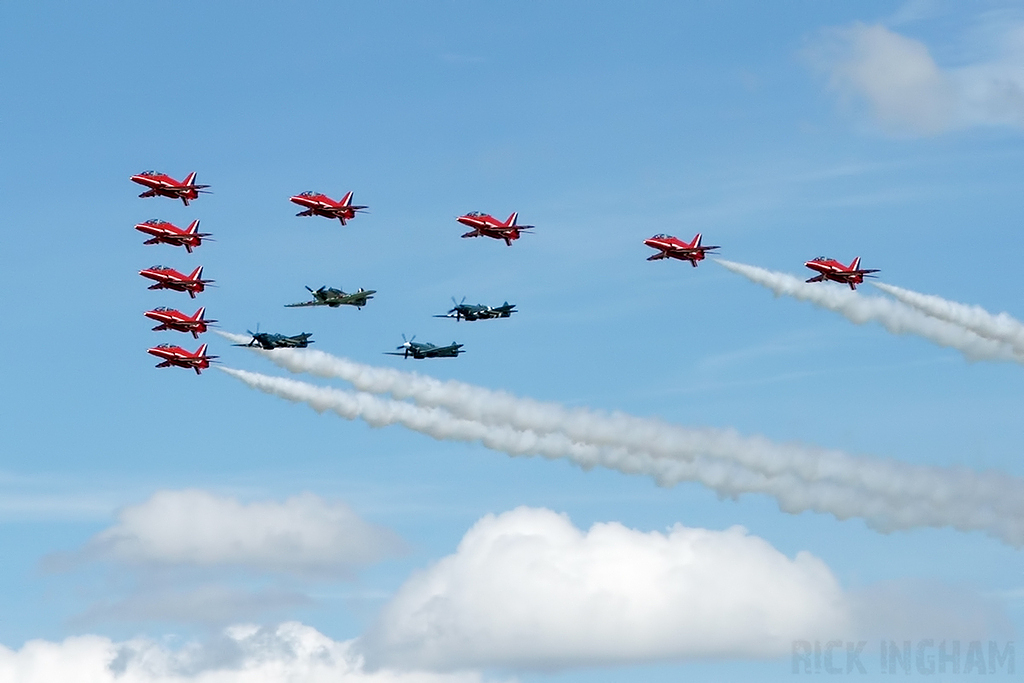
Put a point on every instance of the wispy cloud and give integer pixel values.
(303, 534)
(907, 92)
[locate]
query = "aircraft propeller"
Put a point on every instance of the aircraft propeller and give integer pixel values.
(457, 310)
(406, 344)
(251, 334)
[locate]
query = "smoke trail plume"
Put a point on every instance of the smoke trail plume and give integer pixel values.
(894, 316)
(888, 495)
(614, 430)
(1001, 327)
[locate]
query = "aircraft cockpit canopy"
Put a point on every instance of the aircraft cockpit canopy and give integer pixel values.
(309, 193)
(823, 258)
(662, 237)
(159, 268)
(165, 346)
(151, 173)
(475, 214)
(163, 309)
(155, 221)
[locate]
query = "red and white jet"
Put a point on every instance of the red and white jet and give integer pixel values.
(168, 233)
(179, 357)
(171, 319)
(161, 184)
(169, 278)
(319, 204)
(673, 247)
(486, 225)
(830, 269)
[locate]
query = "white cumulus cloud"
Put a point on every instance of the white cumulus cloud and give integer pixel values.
(192, 527)
(527, 589)
(908, 92)
(290, 652)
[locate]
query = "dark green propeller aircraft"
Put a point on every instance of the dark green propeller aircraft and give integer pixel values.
(269, 340)
(329, 296)
(478, 311)
(421, 350)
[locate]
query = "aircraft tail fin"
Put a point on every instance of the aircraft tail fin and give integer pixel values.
(193, 227)
(855, 265)
(201, 351)
(199, 314)
(512, 219)
(696, 240)
(191, 179)
(347, 199)
(197, 274)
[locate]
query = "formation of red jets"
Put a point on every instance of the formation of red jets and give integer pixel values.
(162, 232)
(669, 246)
(319, 204)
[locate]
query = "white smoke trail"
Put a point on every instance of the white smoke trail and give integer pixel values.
(614, 430)
(887, 495)
(894, 316)
(1001, 327)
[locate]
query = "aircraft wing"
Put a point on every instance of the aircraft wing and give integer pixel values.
(450, 350)
(306, 303)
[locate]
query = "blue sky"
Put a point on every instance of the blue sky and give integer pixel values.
(602, 124)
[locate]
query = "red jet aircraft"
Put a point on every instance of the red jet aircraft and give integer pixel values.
(830, 269)
(673, 247)
(179, 357)
(168, 278)
(168, 233)
(319, 204)
(171, 319)
(486, 225)
(165, 186)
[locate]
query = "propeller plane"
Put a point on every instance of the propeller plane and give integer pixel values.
(471, 312)
(421, 350)
(269, 340)
(329, 296)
